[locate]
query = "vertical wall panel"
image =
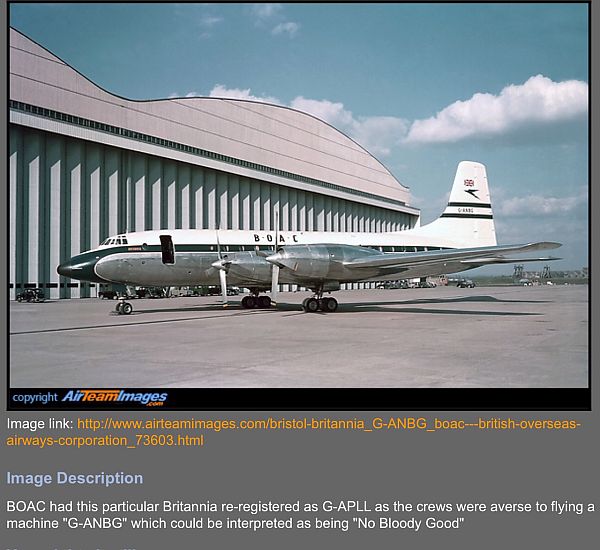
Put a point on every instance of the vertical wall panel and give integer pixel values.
(255, 202)
(245, 198)
(319, 212)
(198, 219)
(222, 218)
(13, 174)
(54, 161)
(75, 170)
(328, 214)
(32, 159)
(169, 196)
(112, 162)
(293, 208)
(234, 201)
(301, 195)
(155, 176)
(275, 208)
(210, 199)
(284, 209)
(93, 183)
(139, 191)
(310, 212)
(185, 186)
(265, 206)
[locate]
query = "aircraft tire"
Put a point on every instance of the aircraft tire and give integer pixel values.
(328, 305)
(311, 305)
(126, 308)
(250, 302)
(245, 302)
(264, 302)
(118, 308)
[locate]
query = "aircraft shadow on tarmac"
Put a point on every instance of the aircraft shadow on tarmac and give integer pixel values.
(357, 307)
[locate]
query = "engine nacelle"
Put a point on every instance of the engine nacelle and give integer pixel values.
(248, 267)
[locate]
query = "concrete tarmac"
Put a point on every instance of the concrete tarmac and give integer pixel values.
(494, 337)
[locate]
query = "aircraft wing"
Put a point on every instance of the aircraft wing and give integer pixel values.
(468, 256)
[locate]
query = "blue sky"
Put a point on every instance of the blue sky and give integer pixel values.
(422, 86)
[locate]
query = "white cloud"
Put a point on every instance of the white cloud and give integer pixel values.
(333, 113)
(210, 20)
(236, 93)
(265, 11)
(540, 206)
(377, 134)
(272, 15)
(539, 100)
(289, 27)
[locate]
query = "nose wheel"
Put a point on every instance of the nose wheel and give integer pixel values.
(123, 308)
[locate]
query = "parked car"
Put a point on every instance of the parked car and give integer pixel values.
(393, 284)
(31, 295)
(466, 283)
(427, 284)
(108, 294)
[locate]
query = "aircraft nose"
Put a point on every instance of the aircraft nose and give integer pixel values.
(66, 270)
(81, 268)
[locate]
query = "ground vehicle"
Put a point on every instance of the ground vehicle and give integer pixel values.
(466, 283)
(31, 295)
(426, 284)
(108, 294)
(393, 284)
(216, 291)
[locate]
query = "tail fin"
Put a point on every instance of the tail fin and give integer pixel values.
(468, 219)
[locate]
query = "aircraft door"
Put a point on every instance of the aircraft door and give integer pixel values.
(167, 249)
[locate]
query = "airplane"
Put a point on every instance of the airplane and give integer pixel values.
(462, 238)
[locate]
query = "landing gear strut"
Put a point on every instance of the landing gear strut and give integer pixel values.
(255, 301)
(123, 307)
(319, 303)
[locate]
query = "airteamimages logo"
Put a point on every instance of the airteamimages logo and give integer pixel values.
(150, 399)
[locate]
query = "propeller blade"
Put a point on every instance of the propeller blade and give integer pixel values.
(274, 267)
(223, 279)
(218, 245)
(274, 283)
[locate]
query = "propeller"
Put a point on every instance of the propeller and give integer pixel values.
(222, 272)
(274, 267)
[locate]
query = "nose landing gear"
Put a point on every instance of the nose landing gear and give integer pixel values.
(123, 307)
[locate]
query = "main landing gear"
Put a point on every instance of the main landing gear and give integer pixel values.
(319, 303)
(255, 301)
(123, 307)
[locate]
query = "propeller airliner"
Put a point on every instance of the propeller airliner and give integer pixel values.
(462, 238)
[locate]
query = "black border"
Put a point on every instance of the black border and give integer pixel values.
(331, 399)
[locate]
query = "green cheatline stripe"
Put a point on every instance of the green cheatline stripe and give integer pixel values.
(240, 248)
(480, 216)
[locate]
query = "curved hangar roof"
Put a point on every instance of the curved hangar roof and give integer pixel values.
(280, 138)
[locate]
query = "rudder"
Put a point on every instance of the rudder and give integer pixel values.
(468, 218)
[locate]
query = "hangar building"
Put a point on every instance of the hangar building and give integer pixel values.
(85, 164)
